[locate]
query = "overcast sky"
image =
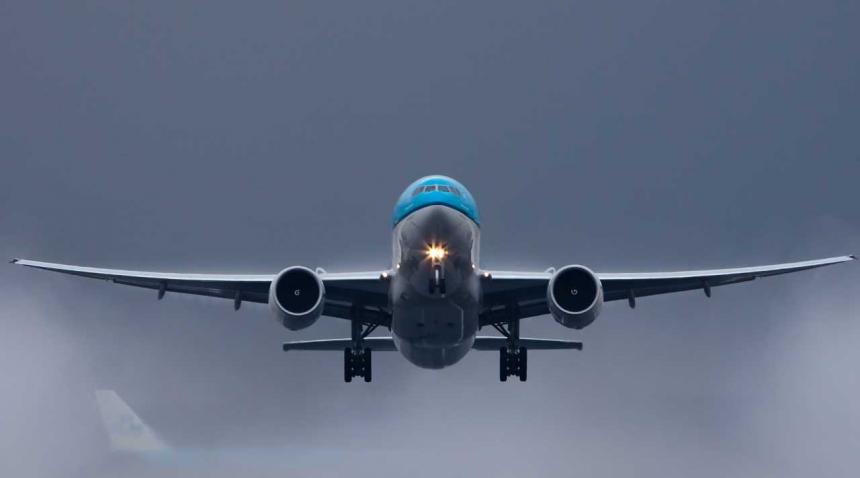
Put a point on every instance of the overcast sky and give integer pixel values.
(246, 137)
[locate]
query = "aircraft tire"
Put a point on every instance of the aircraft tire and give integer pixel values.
(503, 364)
(347, 365)
(523, 363)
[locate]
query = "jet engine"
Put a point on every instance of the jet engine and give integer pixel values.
(296, 296)
(575, 296)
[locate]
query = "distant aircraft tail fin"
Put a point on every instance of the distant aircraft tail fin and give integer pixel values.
(125, 430)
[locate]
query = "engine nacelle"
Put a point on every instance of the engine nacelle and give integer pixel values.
(296, 296)
(575, 296)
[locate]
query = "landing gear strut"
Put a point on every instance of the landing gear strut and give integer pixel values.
(357, 359)
(437, 281)
(513, 359)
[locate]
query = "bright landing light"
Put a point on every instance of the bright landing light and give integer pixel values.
(436, 253)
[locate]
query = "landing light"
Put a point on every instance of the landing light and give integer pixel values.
(436, 253)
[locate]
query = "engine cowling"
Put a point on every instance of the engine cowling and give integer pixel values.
(575, 296)
(296, 296)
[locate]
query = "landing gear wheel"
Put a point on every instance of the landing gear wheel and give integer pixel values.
(347, 365)
(513, 363)
(356, 364)
(513, 359)
(357, 359)
(503, 364)
(523, 364)
(367, 365)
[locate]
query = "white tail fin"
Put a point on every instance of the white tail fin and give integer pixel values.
(125, 429)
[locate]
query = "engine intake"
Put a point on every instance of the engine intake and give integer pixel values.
(575, 296)
(296, 296)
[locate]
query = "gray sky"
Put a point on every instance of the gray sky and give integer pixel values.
(623, 135)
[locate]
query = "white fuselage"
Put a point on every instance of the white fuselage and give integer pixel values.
(435, 302)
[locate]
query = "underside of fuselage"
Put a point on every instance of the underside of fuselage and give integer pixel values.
(435, 295)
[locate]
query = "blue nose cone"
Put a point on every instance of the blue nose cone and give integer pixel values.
(436, 189)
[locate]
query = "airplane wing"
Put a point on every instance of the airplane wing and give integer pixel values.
(527, 290)
(343, 290)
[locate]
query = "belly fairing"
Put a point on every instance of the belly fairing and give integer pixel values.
(434, 333)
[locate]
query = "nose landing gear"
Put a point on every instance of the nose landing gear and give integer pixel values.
(437, 280)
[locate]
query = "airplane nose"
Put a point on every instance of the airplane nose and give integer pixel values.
(441, 215)
(437, 229)
(435, 251)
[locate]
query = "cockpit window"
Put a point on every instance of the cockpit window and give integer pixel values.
(436, 187)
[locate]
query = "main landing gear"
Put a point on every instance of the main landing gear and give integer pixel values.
(356, 363)
(513, 359)
(513, 363)
(357, 359)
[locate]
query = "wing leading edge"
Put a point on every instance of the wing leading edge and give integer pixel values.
(527, 290)
(348, 295)
(363, 296)
(617, 285)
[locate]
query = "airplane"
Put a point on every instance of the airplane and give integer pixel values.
(435, 297)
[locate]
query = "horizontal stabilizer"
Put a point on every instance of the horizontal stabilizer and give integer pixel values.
(386, 344)
(495, 343)
(382, 344)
